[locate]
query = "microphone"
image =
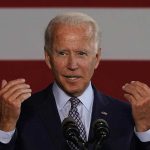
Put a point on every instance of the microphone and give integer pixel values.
(72, 133)
(101, 132)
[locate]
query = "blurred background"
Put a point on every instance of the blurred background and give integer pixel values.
(125, 41)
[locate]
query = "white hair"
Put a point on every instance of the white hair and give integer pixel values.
(73, 18)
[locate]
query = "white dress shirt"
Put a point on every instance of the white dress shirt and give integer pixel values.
(85, 109)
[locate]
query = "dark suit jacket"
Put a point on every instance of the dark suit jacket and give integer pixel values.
(39, 126)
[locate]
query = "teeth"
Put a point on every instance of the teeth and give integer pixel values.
(71, 77)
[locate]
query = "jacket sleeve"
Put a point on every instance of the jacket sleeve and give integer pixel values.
(11, 144)
(138, 145)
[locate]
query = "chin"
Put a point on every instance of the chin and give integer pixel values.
(74, 89)
(74, 92)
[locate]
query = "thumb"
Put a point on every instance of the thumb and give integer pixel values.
(4, 82)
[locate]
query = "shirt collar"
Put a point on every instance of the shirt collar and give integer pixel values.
(62, 98)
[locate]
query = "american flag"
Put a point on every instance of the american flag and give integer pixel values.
(125, 40)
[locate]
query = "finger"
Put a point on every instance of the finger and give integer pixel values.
(143, 89)
(12, 83)
(130, 98)
(19, 93)
(4, 82)
(139, 88)
(140, 84)
(21, 98)
(132, 90)
(14, 88)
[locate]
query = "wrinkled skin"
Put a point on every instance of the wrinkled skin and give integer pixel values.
(138, 94)
(12, 94)
(73, 58)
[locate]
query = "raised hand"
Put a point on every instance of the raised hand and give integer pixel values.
(138, 94)
(12, 94)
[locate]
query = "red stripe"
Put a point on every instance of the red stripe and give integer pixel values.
(109, 77)
(75, 3)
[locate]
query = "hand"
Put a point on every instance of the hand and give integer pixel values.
(138, 94)
(12, 94)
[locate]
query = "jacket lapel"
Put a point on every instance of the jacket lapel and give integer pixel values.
(99, 111)
(49, 115)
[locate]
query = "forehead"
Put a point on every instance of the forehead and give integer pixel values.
(78, 36)
(66, 29)
(74, 37)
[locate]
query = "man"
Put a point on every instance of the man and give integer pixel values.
(72, 52)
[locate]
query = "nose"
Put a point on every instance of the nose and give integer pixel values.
(72, 63)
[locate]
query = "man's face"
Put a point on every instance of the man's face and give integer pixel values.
(73, 58)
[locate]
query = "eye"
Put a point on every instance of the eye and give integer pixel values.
(62, 53)
(82, 53)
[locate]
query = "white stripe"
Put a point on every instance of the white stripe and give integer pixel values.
(126, 32)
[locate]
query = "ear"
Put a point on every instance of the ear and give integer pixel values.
(47, 60)
(98, 58)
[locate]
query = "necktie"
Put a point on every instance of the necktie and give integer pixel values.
(75, 115)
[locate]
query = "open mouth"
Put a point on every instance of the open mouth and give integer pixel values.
(72, 77)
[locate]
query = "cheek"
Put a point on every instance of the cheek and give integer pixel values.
(87, 69)
(55, 62)
(91, 68)
(57, 67)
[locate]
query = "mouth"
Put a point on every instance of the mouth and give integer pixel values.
(72, 77)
